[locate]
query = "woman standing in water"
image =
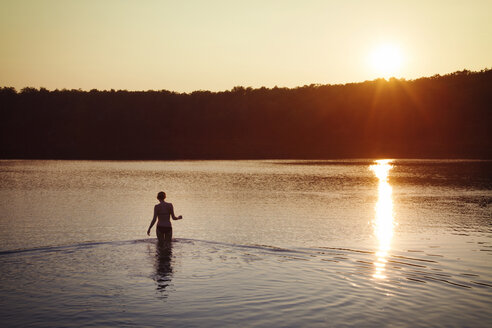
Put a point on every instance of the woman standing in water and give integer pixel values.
(163, 211)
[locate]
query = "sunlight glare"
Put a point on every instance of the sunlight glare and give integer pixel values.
(386, 60)
(383, 223)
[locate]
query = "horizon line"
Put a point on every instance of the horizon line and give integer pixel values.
(389, 79)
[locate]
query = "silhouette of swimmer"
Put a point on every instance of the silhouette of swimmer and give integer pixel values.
(163, 211)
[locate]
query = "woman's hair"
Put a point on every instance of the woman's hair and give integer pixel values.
(161, 195)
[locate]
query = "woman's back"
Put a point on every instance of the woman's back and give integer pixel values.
(164, 211)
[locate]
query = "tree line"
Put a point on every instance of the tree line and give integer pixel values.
(434, 117)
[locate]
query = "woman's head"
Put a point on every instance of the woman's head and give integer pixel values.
(161, 195)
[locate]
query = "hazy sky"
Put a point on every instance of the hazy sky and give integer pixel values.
(218, 44)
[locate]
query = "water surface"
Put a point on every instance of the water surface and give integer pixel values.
(262, 243)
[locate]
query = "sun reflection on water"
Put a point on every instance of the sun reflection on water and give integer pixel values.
(384, 222)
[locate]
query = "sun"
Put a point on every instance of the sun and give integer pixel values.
(386, 60)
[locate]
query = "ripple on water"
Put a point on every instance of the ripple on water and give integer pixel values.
(201, 283)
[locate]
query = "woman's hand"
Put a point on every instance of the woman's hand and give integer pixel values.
(180, 217)
(148, 232)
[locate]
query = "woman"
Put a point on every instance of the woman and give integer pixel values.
(163, 211)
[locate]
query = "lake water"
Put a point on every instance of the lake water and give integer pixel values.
(263, 243)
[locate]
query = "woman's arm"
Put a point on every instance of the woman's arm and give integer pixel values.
(153, 221)
(174, 216)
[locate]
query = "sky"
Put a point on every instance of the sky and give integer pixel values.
(215, 45)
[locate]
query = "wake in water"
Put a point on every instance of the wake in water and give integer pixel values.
(423, 266)
(206, 283)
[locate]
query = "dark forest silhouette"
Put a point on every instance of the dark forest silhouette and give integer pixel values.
(440, 116)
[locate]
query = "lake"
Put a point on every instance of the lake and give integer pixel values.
(270, 243)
